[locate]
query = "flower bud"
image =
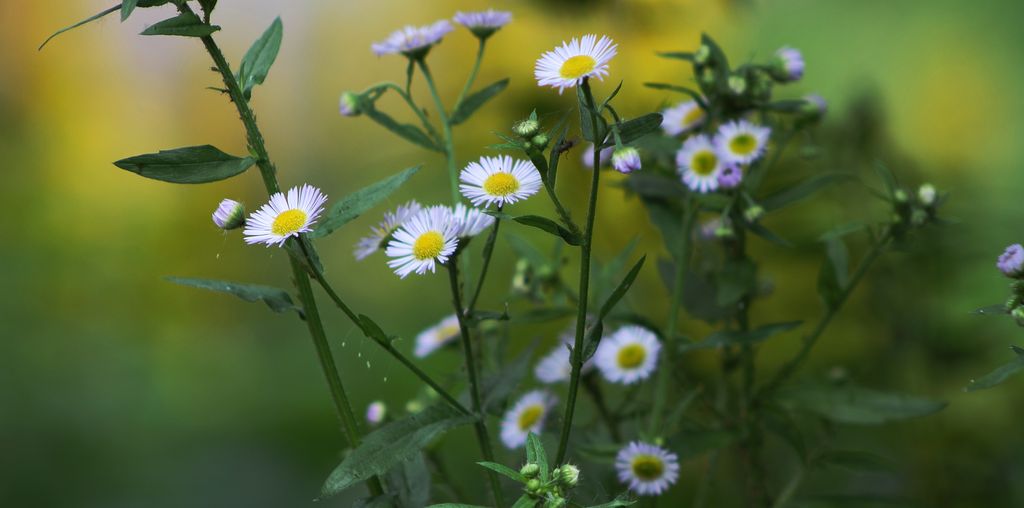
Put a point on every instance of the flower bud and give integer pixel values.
(788, 65)
(555, 502)
(348, 105)
(926, 194)
(702, 55)
(230, 214)
(533, 486)
(753, 213)
(530, 470)
(918, 217)
(376, 412)
(1011, 261)
(814, 107)
(626, 160)
(413, 406)
(526, 128)
(540, 141)
(1018, 315)
(724, 231)
(569, 475)
(737, 84)
(900, 196)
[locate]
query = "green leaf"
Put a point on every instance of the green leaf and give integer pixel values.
(526, 501)
(677, 55)
(355, 204)
(548, 226)
(853, 460)
(991, 310)
(127, 6)
(536, 454)
(586, 126)
(670, 222)
(208, 6)
(499, 386)
(998, 376)
(834, 274)
(802, 190)
(760, 230)
(192, 164)
(653, 185)
(504, 470)
(842, 230)
(90, 19)
(855, 405)
(736, 280)
(734, 337)
(277, 299)
(185, 24)
(593, 338)
(260, 57)
(681, 89)
(634, 129)
(381, 501)
(455, 505)
(471, 103)
(694, 443)
(406, 131)
(619, 501)
(391, 444)
(410, 482)
(887, 177)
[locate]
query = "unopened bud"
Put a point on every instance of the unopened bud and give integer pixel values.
(533, 486)
(540, 141)
(230, 214)
(626, 160)
(526, 128)
(1018, 315)
(753, 213)
(900, 196)
(738, 84)
(530, 470)
(724, 232)
(348, 105)
(926, 194)
(918, 217)
(702, 55)
(569, 475)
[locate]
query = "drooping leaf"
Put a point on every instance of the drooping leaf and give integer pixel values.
(634, 129)
(536, 454)
(803, 190)
(90, 19)
(391, 444)
(475, 100)
(127, 6)
(277, 299)
(620, 501)
(652, 185)
(593, 338)
(699, 293)
(548, 226)
(736, 337)
(669, 221)
(998, 376)
(355, 204)
(856, 405)
(588, 115)
(406, 131)
(186, 24)
(503, 470)
(260, 57)
(192, 164)
(834, 274)
(760, 230)
(991, 310)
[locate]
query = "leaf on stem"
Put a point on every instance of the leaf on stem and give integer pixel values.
(127, 6)
(834, 275)
(620, 501)
(991, 310)
(186, 24)
(391, 444)
(503, 470)
(681, 89)
(536, 454)
(406, 131)
(498, 387)
(634, 129)
(193, 164)
(856, 405)
(90, 19)
(593, 338)
(736, 338)
(997, 376)
(677, 55)
(277, 299)
(352, 206)
(548, 226)
(410, 482)
(474, 101)
(803, 190)
(260, 57)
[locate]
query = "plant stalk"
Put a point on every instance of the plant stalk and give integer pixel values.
(449, 146)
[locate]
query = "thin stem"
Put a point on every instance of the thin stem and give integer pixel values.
(790, 489)
(794, 363)
(665, 369)
(268, 173)
(581, 315)
(593, 388)
(488, 251)
(449, 146)
(412, 105)
(480, 425)
(472, 73)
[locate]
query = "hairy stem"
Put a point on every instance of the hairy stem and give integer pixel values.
(581, 315)
(488, 252)
(480, 425)
(449, 144)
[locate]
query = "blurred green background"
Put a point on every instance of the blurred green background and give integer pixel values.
(119, 389)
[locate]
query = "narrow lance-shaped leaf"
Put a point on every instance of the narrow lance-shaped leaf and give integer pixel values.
(474, 101)
(85, 21)
(593, 338)
(856, 405)
(192, 164)
(681, 89)
(734, 338)
(208, 6)
(631, 130)
(277, 299)
(802, 190)
(541, 223)
(391, 444)
(360, 201)
(536, 454)
(406, 131)
(834, 273)
(186, 24)
(504, 470)
(677, 55)
(260, 57)
(998, 376)
(127, 6)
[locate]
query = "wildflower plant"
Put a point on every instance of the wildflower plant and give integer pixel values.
(698, 167)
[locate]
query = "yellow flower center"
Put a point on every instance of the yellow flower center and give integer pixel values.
(631, 356)
(288, 222)
(743, 144)
(693, 116)
(530, 416)
(647, 467)
(428, 245)
(704, 162)
(447, 332)
(577, 67)
(501, 184)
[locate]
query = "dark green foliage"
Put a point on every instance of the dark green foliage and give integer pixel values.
(277, 299)
(352, 206)
(260, 57)
(193, 164)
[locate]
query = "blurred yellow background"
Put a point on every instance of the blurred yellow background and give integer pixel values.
(119, 389)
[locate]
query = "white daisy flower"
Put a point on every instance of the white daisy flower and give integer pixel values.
(698, 164)
(628, 355)
(423, 241)
(499, 180)
(647, 469)
(682, 117)
(483, 24)
(556, 366)
(230, 214)
(526, 416)
(413, 41)
(375, 412)
(568, 64)
(433, 338)
(741, 142)
(285, 216)
(471, 221)
(380, 233)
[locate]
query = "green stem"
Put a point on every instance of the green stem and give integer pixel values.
(790, 489)
(268, 173)
(665, 367)
(472, 73)
(488, 251)
(581, 315)
(412, 105)
(480, 425)
(794, 363)
(593, 388)
(449, 146)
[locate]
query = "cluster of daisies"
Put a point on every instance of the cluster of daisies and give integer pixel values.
(415, 41)
(708, 163)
